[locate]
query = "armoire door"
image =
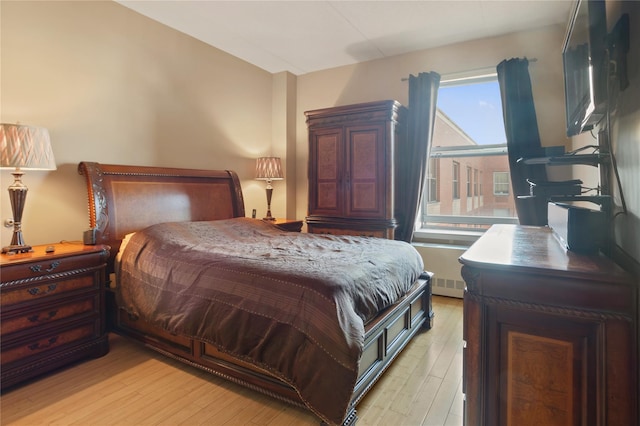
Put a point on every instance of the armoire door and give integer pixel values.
(326, 171)
(365, 184)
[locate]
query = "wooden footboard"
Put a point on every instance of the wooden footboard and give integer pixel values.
(385, 337)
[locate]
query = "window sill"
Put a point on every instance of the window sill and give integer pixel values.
(446, 237)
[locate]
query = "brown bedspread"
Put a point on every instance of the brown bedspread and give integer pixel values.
(293, 304)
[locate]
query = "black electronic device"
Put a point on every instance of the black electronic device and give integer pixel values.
(548, 188)
(585, 66)
(579, 229)
(89, 237)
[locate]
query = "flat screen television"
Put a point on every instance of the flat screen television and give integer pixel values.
(585, 68)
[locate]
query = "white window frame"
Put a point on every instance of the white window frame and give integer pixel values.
(464, 237)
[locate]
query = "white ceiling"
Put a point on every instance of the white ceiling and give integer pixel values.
(304, 36)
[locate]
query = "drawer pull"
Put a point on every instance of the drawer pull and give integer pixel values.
(36, 290)
(37, 346)
(49, 316)
(38, 268)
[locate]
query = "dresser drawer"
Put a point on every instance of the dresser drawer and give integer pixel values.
(50, 314)
(45, 289)
(50, 342)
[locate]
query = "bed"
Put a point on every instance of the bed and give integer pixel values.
(313, 320)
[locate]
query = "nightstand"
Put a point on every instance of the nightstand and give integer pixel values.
(291, 225)
(52, 309)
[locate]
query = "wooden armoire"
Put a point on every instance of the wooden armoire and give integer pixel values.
(351, 168)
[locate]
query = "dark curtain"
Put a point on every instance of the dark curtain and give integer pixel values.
(413, 153)
(523, 139)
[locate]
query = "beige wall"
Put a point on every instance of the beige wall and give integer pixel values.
(115, 87)
(284, 143)
(625, 135)
(624, 110)
(383, 79)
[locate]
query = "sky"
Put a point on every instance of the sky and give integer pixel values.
(476, 109)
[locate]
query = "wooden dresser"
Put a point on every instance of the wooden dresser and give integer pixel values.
(52, 309)
(551, 336)
(351, 168)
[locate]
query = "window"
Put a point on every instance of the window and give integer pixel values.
(456, 180)
(433, 171)
(475, 182)
(468, 138)
(501, 183)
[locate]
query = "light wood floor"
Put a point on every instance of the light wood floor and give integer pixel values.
(133, 385)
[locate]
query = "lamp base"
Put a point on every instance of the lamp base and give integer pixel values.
(269, 193)
(18, 197)
(13, 249)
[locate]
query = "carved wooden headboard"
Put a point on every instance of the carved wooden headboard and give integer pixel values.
(125, 199)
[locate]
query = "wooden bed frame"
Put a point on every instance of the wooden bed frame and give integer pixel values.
(125, 199)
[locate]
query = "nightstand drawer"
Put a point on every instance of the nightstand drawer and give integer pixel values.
(50, 314)
(51, 309)
(35, 266)
(32, 293)
(49, 342)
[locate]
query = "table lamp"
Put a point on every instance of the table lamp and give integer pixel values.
(22, 148)
(269, 169)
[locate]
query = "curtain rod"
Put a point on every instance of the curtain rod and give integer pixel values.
(471, 72)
